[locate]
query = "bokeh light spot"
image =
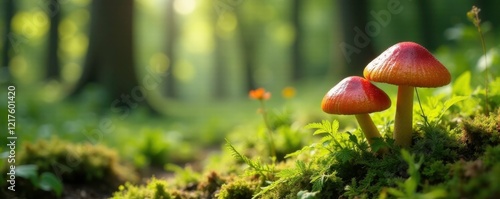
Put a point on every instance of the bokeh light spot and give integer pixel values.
(159, 63)
(71, 72)
(183, 71)
(199, 34)
(227, 22)
(18, 67)
(184, 7)
(75, 46)
(32, 25)
(67, 28)
(283, 33)
(51, 91)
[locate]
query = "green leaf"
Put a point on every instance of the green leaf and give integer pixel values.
(48, 182)
(435, 108)
(438, 193)
(378, 143)
(396, 192)
(4, 155)
(461, 86)
(353, 138)
(452, 101)
(287, 173)
(301, 165)
(306, 195)
(27, 171)
(318, 182)
(344, 155)
(334, 127)
(300, 151)
(318, 126)
(410, 185)
(408, 159)
(324, 127)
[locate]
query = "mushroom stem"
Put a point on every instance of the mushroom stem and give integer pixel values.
(368, 127)
(403, 128)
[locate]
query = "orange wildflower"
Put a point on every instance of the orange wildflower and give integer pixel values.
(259, 94)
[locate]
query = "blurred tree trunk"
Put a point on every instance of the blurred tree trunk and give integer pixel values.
(297, 63)
(171, 90)
(247, 35)
(427, 24)
(9, 9)
(220, 73)
(358, 45)
(110, 58)
(53, 68)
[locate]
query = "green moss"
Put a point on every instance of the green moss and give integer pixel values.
(239, 189)
(481, 131)
(292, 180)
(76, 162)
(478, 178)
(155, 189)
(213, 182)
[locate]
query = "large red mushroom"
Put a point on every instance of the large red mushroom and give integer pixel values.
(408, 65)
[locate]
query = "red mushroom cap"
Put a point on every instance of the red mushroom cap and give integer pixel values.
(355, 95)
(409, 64)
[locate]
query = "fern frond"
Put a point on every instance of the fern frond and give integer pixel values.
(324, 127)
(256, 165)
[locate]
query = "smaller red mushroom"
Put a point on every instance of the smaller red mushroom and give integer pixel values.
(357, 96)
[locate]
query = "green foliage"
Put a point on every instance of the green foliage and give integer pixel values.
(45, 181)
(435, 109)
(288, 140)
(343, 165)
(263, 169)
(49, 182)
(183, 176)
(155, 148)
(338, 158)
(289, 181)
(408, 188)
(462, 86)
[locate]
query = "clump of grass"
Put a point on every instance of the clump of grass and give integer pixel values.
(242, 189)
(155, 189)
(76, 162)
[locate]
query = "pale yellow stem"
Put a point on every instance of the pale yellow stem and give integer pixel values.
(368, 127)
(403, 128)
